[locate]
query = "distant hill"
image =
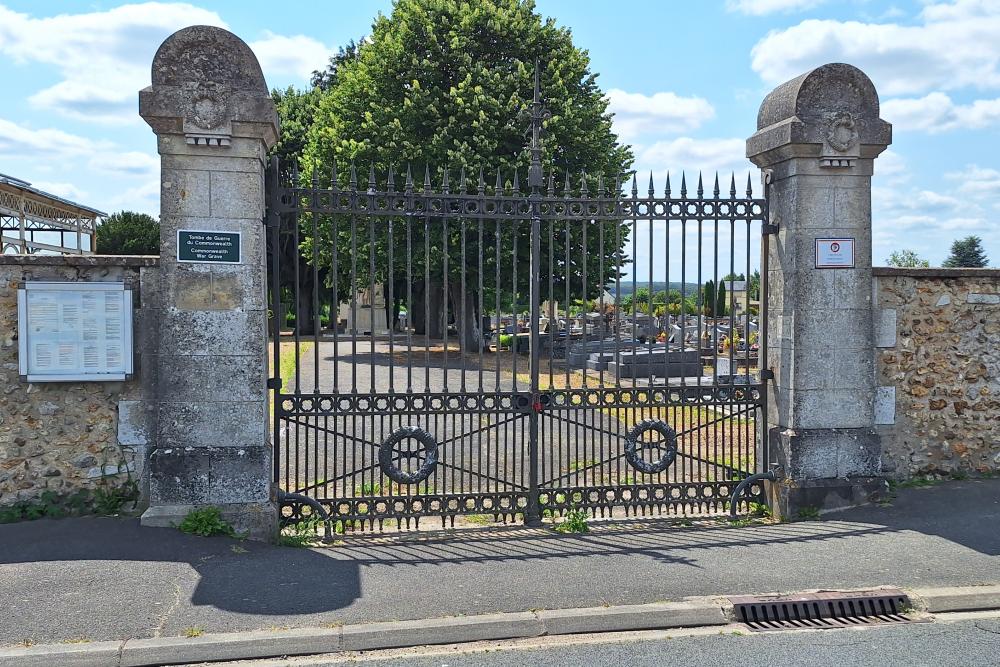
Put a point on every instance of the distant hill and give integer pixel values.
(626, 286)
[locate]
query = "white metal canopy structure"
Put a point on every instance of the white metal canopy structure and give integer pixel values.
(33, 221)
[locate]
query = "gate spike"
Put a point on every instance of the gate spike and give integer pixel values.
(635, 188)
(652, 190)
(482, 182)
(584, 191)
(749, 186)
(701, 190)
(391, 181)
(732, 186)
(517, 183)
(371, 177)
(600, 186)
(566, 186)
(446, 182)
(716, 190)
(334, 184)
(684, 186)
(552, 184)
(668, 185)
(409, 179)
(354, 177)
(462, 186)
(295, 173)
(427, 177)
(315, 175)
(498, 188)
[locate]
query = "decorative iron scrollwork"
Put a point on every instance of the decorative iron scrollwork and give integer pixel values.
(391, 451)
(635, 441)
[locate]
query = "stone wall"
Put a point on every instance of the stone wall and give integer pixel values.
(65, 437)
(938, 371)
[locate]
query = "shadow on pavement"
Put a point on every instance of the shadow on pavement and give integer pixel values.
(247, 577)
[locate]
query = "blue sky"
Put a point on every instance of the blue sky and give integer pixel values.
(684, 78)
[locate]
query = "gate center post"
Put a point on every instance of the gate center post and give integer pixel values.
(819, 135)
(214, 121)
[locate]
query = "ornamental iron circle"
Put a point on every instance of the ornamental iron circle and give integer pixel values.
(425, 452)
(666, 444)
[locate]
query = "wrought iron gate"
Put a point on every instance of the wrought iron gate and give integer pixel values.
(516, 369)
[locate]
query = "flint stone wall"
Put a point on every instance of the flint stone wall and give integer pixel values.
(68, 436)
(938, 371)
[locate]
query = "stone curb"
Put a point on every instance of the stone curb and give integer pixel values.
(692, 612)
(958, 598)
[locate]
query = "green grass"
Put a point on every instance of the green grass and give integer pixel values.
(301, 534)
(575, 521)
(808, 514)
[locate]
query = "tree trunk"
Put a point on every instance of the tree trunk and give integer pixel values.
(428, 299)
(470, 335)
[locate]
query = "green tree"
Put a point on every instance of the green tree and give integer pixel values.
(443, 84)
(754, 286)
(721, 307)
(128, 233)
(906, 259)
(967, 252)
(708, 298)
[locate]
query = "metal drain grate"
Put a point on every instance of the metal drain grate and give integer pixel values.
(822, 610)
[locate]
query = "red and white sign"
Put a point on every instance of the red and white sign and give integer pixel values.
(834, 253)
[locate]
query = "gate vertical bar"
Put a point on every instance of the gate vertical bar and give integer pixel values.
(273, 222)
(533, 516)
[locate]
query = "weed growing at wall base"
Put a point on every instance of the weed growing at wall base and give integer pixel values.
(575, 521)
(206, 521)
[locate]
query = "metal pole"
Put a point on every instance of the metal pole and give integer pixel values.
(533, 515)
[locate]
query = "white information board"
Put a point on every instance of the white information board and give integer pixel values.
(74, 331)
(834, 253)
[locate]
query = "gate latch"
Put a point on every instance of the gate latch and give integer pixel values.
(274, 383)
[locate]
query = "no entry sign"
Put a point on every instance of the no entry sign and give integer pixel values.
(834, 253)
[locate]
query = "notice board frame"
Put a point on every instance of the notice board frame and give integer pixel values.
(24, 332)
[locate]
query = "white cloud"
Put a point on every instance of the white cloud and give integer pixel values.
(19, 141)
(937, 113)
(660, 113)
(129, 162)
(104, 57)
(764, 7)
(705, 155)
(977, 180)
(297, 56)
(64, 190)
(954, 45)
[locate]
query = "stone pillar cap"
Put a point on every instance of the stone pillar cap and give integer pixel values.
(208, 86)
(833, 109)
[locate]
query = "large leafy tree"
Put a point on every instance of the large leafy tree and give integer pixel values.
(967, 252)
(128, 233)
(443, 85)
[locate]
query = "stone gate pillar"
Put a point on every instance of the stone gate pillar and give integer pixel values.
(214, 122)
(817, 139)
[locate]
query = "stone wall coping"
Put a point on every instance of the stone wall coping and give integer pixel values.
(80, 260)
(935, 272)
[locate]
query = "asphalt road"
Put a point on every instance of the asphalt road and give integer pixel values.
(951, 643)
(105, 579)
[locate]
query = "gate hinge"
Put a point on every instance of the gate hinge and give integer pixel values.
(768, 229)
(767, 374)
(271, 219)
(274, 383)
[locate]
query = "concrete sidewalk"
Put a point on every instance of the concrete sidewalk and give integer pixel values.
(109, 579)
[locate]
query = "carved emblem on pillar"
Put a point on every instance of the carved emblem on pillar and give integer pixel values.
(840, 146)
(207, 121)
